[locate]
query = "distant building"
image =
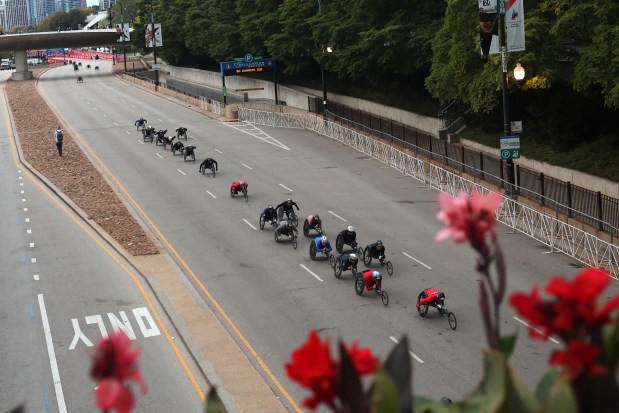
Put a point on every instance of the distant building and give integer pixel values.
(15, 13)
(106, 4)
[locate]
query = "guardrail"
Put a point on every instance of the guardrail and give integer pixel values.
(556, 234)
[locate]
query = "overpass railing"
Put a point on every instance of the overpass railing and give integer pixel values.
(559, 236)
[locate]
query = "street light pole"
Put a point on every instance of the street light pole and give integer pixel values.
(507, 127)
(324, 89)
(122, 26)
(152, 39)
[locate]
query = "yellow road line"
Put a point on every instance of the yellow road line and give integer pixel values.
(163, 239)
(192, 378)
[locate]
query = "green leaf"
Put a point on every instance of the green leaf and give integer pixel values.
(519, 398)
(398, 366)
(560, 398)
(610, 338)
(351, 391)
(544, 386)
(385, 394)
(214, 403)
(508, 343)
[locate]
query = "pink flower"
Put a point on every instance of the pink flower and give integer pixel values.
(468, 219)
(113, 363)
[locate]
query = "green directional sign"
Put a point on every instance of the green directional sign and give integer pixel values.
(510, 154)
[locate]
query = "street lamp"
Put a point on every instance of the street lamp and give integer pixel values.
(154, 40)
(519, 72)
(507, 127)
(327, 49)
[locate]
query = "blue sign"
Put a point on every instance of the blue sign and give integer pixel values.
(249, 64)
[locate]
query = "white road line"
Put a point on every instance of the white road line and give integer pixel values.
(337, 216)
(415, 259)
(23, 192)
(23, 199)
(115, 123)
(104, 115)
(533, 328)
(32, 245)
(247, 222)
(33, 260)
(141, 142)
(159, 155)
(36, 277)
(128, 133)
(21, 177)
(25, 209)
(308, 270)
(285, 187)
(209, 192)
(19, 171)
(248, 167)
(181, 172)
(413, 355)
(28, 231)
(132, 106)
(217, 151)
(27, 220)
(21, 184)
(62, 408)
(160, 120)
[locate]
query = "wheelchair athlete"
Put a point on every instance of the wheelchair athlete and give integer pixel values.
(323, 245)
(349, 237)
(287, 207)
(286, 228)
(432, 297)
(237, 186)
(349, 262)
(377, 251)
(373, 280)
(207, 164)
(270, 214)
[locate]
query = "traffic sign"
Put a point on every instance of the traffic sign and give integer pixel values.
(510, 154)
(510, 142)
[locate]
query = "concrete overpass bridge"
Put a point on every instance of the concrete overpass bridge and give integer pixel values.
(20, 43)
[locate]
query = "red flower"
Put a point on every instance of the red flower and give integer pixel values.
(468, 219)
(363, 359)
(573, 315)
(579, 357)
(113, 363)
(312, 367)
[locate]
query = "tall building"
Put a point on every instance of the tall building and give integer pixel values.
(69, 5)
(15, 13)
(106, 4)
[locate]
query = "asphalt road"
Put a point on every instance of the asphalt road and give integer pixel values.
(61, 289)
(274, 294)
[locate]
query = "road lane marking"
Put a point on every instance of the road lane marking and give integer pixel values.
(36, 277)
(28, 231)
(415, 259)
(27, 220)
(33, 260)
(160, 120)
(217, 150)
(181, 172)
(115, 123)
(308, 270)
(104, 115)
(533, 328)
(23, 199)
(25, 209)
(159, 155)
(285, 187)
(209, 192)
(21, 184)
(141, 142)
(23, 192)
(413, 355)
(337, 216)
(193, 137)
(132, 106)
(32, 245)
(248, 223)
(128, 133)
(62, 408)
(248, 167)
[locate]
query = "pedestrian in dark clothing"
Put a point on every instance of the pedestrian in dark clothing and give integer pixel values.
(58, 136)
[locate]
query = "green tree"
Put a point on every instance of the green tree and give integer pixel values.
(258, 20)
(171, 15)
(20, 28)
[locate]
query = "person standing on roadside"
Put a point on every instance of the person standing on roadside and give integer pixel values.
(58, 136)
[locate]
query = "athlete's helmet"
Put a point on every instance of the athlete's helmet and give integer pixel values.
(270, 207)
(379, 243)
(353, 257)
(441, 296)
(323, 239)
(351, 229)
(316, 216)
(376, 275)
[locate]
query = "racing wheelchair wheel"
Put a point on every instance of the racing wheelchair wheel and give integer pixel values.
(422, 310)
(339, 243)
(276, 236)
(214, 171)
(295, 219)
(262, 221)
(306, 228)
(367, 259)
(332, 260)
(359, 284)
(384, 297)
(453, 323)
(338, 267)
(389, 267)
(312, 250)
(294, 241)
(245, 194)
(232, 193)
(184, 156)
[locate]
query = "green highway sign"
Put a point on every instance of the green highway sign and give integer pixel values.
(510, 153)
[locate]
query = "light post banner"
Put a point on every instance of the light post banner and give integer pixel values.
(123, 33)
(488, 27)
(148, 35)
(514, 22)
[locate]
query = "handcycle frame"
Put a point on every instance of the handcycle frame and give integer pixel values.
(367, 260)
(263, 221)
(339, 244)
(442, 310)
(307, 229)
(293, 216)
(360, 286)
(243, 193)
(294, 238)
(338, 269)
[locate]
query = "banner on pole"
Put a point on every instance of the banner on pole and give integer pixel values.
(153, 37)
(123, 33)
(514, 22)
(488, 27)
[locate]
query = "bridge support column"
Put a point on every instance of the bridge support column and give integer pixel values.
(21, 67)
